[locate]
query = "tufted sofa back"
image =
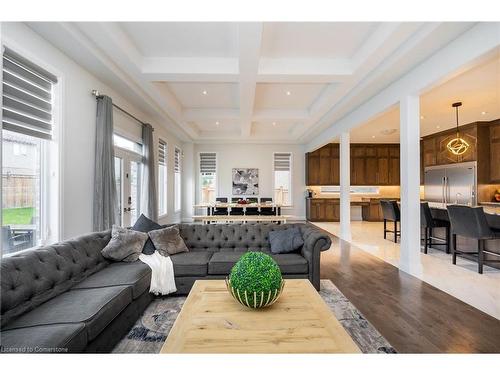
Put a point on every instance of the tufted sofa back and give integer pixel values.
(32, 277)
(229, 237)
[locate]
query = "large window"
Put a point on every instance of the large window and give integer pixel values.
(283, 178)
(162, 177)
(177, 179)
(208, 177)
(29, 188)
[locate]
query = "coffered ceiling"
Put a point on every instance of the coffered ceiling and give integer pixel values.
(249, 82)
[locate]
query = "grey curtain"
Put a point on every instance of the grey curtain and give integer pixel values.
(105, 199)
(149, 204)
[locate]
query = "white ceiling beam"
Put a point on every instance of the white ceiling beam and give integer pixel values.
(460, 55)
(288, 70)
(250, 40)
(190, 69)
(280, 115)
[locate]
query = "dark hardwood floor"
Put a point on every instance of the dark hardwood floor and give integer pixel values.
(412, 315)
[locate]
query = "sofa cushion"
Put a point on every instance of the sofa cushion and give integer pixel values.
(136, 274)
(125, 245)
(291, 263)
(96, 308)
(285, 241)
(221, 263)
(52, 338)
(145, 225)
(168, 241)
(191, 264)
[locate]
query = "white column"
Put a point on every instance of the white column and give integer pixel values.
(345, 187)
(410, 184)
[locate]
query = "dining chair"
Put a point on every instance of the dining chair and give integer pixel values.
(236, 211)
(268, 211)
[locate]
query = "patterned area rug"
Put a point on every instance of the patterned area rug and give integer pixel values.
(151, 330)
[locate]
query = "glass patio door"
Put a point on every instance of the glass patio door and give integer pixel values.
(128, 169)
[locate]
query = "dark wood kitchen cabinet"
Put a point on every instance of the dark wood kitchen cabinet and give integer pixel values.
(371, 164)
(495, 152)
(321, 209)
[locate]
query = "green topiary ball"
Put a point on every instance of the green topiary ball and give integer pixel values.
(255, 272)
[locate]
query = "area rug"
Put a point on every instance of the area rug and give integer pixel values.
(151, 330)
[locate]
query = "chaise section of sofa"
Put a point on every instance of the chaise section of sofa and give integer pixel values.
(68, 298)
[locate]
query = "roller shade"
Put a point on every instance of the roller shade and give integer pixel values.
(177, 160)
(208, 162)
(27, 96)
(162, 152)
(282, 161)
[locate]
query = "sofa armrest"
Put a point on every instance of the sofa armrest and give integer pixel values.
(315, 241)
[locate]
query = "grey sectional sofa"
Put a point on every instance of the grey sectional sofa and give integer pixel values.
(67, 298)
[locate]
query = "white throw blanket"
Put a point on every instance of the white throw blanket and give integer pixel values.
(162, 275)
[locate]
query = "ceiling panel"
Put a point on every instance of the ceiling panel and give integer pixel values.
(218, 95)
(184, 39)
(314, 39)
(286, 96)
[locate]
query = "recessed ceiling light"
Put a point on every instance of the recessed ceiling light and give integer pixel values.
(484, 113)
(437, 127)
(288, 93)
(217, 123)
(204, 92)
(373, 136)
(422, 117)
(274, 123)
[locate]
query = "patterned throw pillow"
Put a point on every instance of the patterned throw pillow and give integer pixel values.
(285, 241)
(125, 245)
(168, 241)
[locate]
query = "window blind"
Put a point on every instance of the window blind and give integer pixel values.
(282, 161)
(162, 152)
(27, 96)
(208, 162)
(177, 160)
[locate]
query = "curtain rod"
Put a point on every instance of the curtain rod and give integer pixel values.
(98, 95)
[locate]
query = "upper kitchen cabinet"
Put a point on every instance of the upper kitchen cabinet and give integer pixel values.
(484, 142)
(371, 164)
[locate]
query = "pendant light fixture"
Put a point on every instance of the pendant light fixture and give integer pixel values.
(457, 146)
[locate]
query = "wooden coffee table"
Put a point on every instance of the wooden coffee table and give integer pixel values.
(211, 321)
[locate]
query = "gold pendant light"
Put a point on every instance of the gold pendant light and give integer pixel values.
(457, 146)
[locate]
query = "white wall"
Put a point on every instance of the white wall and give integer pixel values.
(260, 156)
(76, 122)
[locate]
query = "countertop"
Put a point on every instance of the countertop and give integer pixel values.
(487, 209)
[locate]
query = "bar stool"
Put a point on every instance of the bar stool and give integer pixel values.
(471, 222)
(429, 223)
(390, 210)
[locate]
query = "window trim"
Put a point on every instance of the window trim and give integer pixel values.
(290, 193)
(177, 210)
(198, 193)
(165, 214)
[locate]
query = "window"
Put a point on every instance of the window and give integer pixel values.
(29, 186)
(162, 177)
(177, 179)
(208, 176)
(282, 178)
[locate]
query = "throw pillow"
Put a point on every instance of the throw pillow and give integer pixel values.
(285, 241)
(145, 225)
(168, 241)
(125, 245)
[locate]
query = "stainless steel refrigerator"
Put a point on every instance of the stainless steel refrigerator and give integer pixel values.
(451, 184)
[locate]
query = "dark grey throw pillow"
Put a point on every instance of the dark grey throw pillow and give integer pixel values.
(285, 241)
(168, 241)
(125, 245)
(145, 225)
